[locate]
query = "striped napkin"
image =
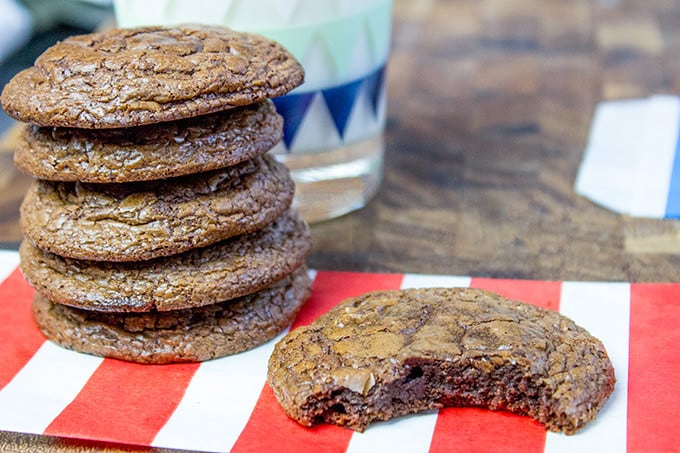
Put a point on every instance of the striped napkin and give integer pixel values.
(226, 405)
(631, 164)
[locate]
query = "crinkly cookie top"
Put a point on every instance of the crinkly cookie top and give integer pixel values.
(137, 76)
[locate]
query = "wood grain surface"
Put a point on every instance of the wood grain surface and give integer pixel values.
(489, 108)
(490, 104)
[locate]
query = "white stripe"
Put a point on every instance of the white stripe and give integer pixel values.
(604, 310)
(44, 388)
(628, 162)
(9, 260)
(434, 281)
(213, 412)
(610, 158)
(412, 433)
(218, 402)
(655, 158)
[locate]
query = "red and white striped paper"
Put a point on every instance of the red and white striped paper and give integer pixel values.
(226, 405)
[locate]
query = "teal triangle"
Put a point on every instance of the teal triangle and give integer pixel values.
(340, 38)
(296, 40)
(379, 28)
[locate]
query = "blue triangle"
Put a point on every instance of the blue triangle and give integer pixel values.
(293, 108)
(340, 101)
(374, 86)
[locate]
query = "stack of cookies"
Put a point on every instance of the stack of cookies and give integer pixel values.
(158, 229)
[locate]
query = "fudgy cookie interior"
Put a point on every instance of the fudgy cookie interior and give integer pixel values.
(393, 353)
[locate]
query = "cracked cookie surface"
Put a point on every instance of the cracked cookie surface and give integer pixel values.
(146, 220)
(232, 268)
(189, 335)
(151, 152)
(391, 353)
(135, 76)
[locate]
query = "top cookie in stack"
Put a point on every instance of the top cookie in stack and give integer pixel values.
(134, 77)
(158, 229)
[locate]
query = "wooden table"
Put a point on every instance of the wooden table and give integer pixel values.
(490, 105)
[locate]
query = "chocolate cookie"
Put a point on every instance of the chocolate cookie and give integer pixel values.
(145, 153)
(232, 268)
(145, 220)
(131, 77)
(391, 353)
(194, 334)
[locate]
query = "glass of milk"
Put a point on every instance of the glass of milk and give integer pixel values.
(334, 123)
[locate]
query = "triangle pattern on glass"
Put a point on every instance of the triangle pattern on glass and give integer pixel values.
(296, 40)
(374, 87)
(340, 101)
(363, 60)
(317, 130)
(319, 67)
(379, 26)
(340, 38)
(293, 108)
(362, 122)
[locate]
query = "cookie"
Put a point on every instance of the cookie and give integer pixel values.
(391, 353)
(136, 76)
(145, 220)
(236, 267)
(195, 334)
(145, 153)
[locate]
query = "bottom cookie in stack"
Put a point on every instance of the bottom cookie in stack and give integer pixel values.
(198, 305)
(192, 334)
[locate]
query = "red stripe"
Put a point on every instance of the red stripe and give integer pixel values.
(473, 430)
(544, 294)
(332, 287)
(269, 428)
(654, 368)
(479, 430)
(19, 336)
(124, 402)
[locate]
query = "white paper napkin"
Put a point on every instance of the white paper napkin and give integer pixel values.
(630, 164)
(226, 405)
